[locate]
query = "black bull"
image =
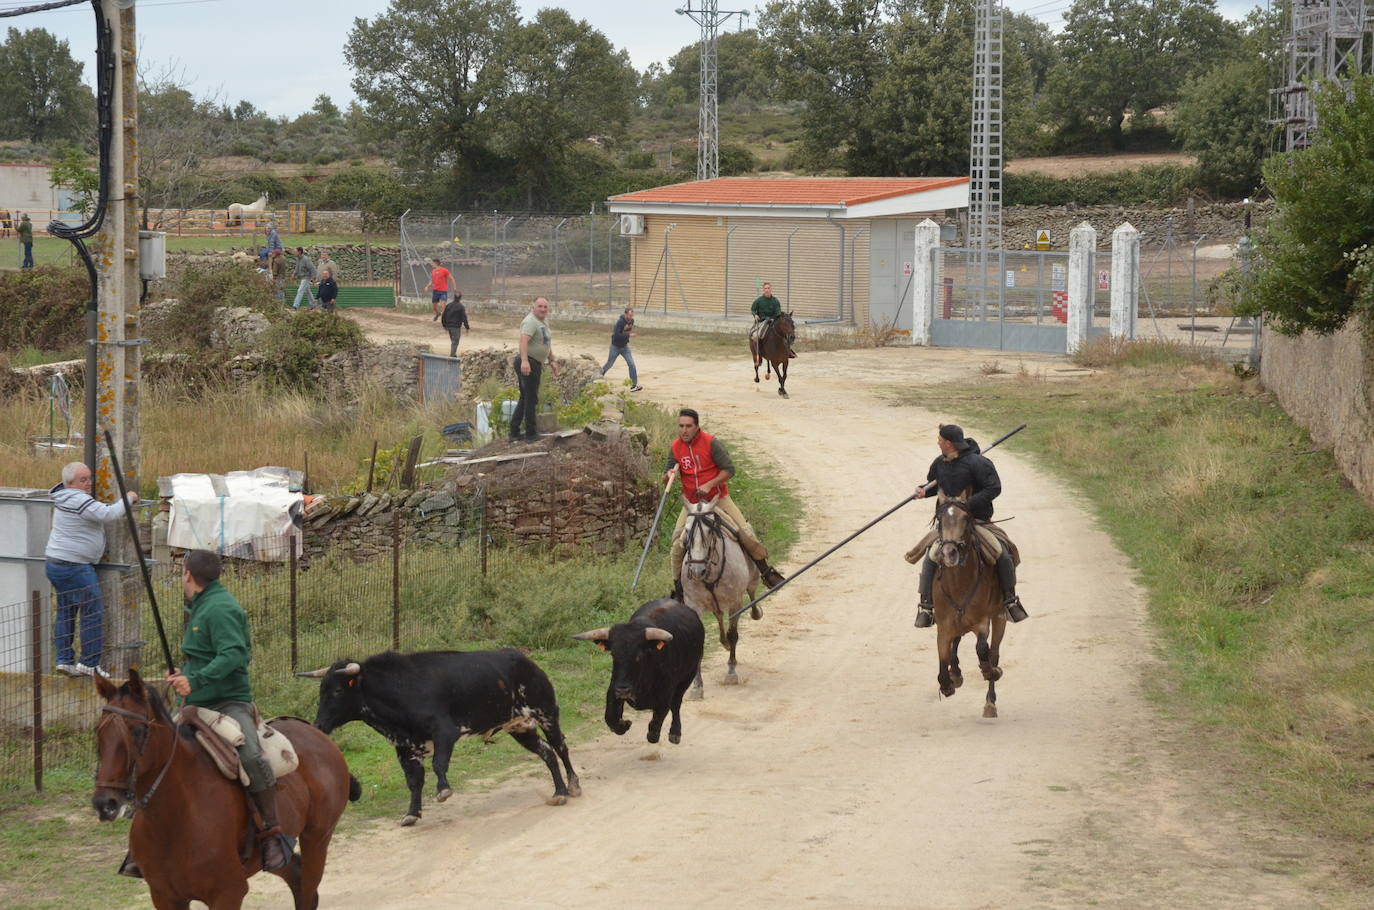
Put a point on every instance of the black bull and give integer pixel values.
(437, 697)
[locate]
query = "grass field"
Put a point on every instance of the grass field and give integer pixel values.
(52, 251)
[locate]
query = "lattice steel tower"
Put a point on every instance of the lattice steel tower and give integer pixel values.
(1327, 39)
(985, 152)
(708, 15)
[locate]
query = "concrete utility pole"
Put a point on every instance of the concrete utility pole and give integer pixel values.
(710, 17)
(118, 366)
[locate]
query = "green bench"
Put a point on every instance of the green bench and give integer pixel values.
(366, 295)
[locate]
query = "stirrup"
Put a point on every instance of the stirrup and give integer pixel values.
(925, 616)
(1015, 612)
(771, 576)
(129, 868)
(284, 843)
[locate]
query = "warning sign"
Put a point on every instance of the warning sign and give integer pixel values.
(1102, 281)
(906, 268)
(1042, 240)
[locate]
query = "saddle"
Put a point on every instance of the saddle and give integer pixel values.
(220, 736)
(991, 538)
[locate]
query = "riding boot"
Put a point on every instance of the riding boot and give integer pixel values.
(277, 848)
(771, 576)
(1006, 573)
(925, 611)
(129, 867)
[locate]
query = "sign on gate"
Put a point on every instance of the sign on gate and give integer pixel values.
(906, 268)
(1102, 280)
(1042, 240)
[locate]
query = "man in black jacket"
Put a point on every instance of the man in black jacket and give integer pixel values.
(455, 319)
(962, 467)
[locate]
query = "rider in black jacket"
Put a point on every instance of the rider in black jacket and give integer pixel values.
(962, 467)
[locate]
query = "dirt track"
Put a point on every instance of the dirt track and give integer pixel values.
(836, 776)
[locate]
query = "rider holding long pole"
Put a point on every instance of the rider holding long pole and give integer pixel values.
(703, 465)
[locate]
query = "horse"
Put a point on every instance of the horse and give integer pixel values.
(238, 209)
(968, 598)
(192, 835)
(775, 347)
(716, 574)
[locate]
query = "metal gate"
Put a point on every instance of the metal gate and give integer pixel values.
(440, 378)
(1005, 300)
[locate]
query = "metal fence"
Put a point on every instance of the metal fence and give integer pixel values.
(516, 256)
(1176, 302)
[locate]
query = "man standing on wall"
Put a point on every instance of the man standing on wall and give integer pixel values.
(536, 349)
(439, 278)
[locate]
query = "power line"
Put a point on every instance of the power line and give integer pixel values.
(40, 8)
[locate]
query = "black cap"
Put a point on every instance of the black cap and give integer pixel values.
(954, 434)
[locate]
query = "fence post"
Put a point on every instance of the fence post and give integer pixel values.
(1125, 280)
(1082, 249)
(927, 238)
(291, 587)
(482, 529)
(396, 577)
(36, 638)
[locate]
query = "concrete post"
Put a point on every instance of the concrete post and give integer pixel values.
(923, 280)
(1125, 280)
(1082, 249)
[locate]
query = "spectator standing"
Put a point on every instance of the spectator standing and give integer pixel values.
(455, 319)
(439, 278)
(26, 240)
(305, 271)
(325, 262)
(329, 290)
(536, 349)
(75, 544)
(620, 346)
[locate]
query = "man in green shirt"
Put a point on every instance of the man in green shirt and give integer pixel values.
(536, 349)
(214, 674)
(26, 238)
(765, 308)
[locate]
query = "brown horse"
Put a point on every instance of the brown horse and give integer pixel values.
(968, 598)
(192, 836)
(775, 347)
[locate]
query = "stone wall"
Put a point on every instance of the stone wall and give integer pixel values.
(574, 373)
(1326, 383)
(394, 367)
(1222, 222)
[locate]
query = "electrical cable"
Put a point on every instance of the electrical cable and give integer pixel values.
(39, 8)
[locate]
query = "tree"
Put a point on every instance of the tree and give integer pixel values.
(73, 171)
(742, 70)
(44, 98)
(176, 133)
(1125, 57)
(1315, 269)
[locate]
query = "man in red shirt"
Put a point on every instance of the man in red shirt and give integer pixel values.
(704, 466)
(438, 281)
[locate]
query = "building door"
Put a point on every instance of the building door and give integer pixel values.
(890, 249)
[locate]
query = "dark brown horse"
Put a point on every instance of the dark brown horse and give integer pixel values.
(191, 835)
(775, 347)
(968, 598)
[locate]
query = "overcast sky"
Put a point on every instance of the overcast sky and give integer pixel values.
(281, 54)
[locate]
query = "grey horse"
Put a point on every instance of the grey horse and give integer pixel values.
(716, 574)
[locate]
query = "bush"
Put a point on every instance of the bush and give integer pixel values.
(294, 346)
(1161, 185)
(202, 289)
(43, 308)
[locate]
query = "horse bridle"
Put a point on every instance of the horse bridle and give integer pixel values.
(960, 545)
(122, 717)
(711, 521)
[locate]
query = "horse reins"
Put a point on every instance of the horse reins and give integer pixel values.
(716, 543)
(122, 716)
(961, 547)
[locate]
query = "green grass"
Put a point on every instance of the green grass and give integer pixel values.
(55, 847)
(53, 251)
(1257, 559)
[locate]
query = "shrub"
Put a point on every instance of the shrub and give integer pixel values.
(1161, 185)
(43, 308)
(202, 289)
(294, 346)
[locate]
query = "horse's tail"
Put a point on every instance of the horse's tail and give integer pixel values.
(355, 789)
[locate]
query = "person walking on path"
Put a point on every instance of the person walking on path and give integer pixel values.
(329, 290)
(620, 346)
(439, 278)
(26, 240)
(276, 267)
(305, 271)
(455, 319)
(75, 544)
(536, 349)
(216, 652)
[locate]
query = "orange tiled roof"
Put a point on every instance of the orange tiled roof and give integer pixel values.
(789, 190)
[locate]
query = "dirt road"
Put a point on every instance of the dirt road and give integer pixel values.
(836, 776)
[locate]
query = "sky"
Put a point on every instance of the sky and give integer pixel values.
(282, 54)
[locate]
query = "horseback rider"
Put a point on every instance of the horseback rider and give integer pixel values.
(961, 466)
(704, 467)
(214, 675)
(766, 308)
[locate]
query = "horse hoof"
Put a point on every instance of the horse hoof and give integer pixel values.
(652, 736)
(989, 710)
(783, 394)
(409, 821)
(947, 692)
(574, 787)
(730, 680)
(957, 681)
(756, 613)
(558, 799)
(445, 794)
(756, 379)
(694, 695)
(675, 738)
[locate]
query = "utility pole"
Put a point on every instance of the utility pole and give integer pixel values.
(1327, 40)
(710, 17)
(985, 150)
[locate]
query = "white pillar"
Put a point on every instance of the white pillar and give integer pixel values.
(1082, 248)
(1125, 280)
(923, 280)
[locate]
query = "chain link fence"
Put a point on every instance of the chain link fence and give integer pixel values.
(1176, 301)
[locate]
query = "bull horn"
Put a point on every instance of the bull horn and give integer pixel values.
(654, 633)
(353, 669)
(315, 674)
(593, 635)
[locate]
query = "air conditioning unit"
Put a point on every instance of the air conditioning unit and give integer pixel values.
(631, 225)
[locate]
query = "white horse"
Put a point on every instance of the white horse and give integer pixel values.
(716, 574)
(238, 209)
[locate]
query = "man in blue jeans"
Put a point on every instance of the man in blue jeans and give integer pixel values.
(620, 346)
(75, 544)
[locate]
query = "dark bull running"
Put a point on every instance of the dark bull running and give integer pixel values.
(655, 658)
(436, 698)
